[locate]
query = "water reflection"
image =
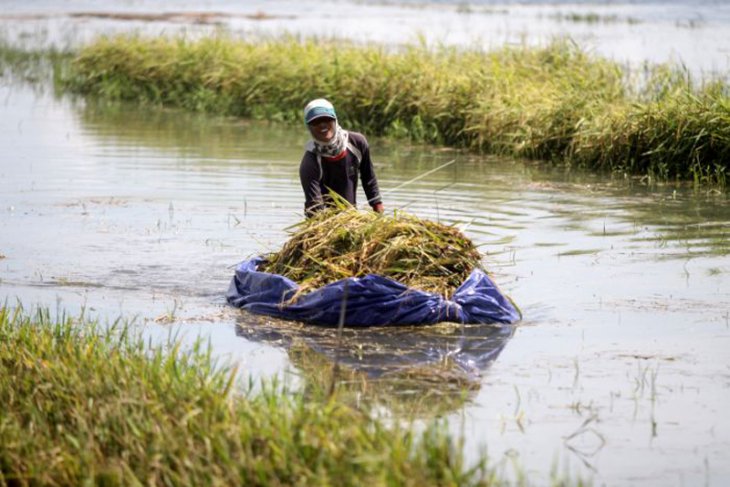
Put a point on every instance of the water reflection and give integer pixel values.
(207, 138)
(493, 199)
(415, 368)
(145, 212)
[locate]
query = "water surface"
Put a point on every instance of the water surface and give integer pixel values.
(693, 34)
(619, 371)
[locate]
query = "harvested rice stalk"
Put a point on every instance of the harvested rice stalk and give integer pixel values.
(341, 243)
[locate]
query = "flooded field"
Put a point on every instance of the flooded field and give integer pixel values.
(619, 364)
(694, 34)
(619, 371)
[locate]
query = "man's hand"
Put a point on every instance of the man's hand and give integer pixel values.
(379, 207)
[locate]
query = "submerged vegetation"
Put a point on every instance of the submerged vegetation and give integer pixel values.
(556, 103)
(340, 243)
(89, 405)
(33, 66)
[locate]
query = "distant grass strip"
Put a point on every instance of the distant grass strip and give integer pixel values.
(86, 406)
(556, 103)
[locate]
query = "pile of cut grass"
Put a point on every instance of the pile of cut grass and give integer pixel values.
(82, 405)
(338, 243)
(556, 103)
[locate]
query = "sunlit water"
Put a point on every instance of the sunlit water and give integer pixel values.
(695, 34)
(620, 370)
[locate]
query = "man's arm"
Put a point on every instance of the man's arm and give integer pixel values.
(369, 181)
(309, 176)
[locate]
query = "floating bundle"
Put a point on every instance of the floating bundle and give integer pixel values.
(341, 243)
(357, 268)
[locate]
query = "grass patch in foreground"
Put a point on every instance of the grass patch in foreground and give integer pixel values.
(83, 404)
(556, 103)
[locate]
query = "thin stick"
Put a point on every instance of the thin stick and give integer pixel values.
(420, 176)
(340, 326)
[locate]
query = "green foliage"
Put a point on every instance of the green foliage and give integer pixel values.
(85, 405)
(555, 103)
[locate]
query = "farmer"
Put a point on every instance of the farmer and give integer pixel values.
(332, 161)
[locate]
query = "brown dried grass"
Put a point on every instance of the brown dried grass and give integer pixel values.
(340, 243)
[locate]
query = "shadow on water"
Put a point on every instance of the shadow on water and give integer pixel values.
(413, 369)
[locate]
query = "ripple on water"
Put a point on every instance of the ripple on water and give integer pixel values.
(612, 279)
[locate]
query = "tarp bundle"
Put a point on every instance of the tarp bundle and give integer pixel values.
(371, 300)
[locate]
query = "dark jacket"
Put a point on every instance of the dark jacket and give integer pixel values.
(319, 175)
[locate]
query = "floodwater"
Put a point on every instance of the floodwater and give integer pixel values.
(619, 371)
(695, 34)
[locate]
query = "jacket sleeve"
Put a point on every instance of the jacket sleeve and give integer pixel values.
(367, 175)
(309, 176)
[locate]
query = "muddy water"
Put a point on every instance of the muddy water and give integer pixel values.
(619, 371)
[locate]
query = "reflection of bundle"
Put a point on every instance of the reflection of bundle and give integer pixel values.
(341, 243)
(412, 369)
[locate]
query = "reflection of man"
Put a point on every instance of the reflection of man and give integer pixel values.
(332, 161)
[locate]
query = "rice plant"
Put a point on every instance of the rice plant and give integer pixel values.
(84, 404)
(345, 242)
(555, 103)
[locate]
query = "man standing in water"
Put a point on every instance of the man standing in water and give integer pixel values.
(332, 161)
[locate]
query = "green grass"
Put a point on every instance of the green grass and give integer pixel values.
(86, 405)
(556, 103)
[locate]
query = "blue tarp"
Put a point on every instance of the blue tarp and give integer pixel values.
(371, 300)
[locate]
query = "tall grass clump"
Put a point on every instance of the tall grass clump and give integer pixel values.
(85, 405)
(555, 103)
(682, 134)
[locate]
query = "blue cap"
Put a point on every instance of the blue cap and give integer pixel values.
(319, 108)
